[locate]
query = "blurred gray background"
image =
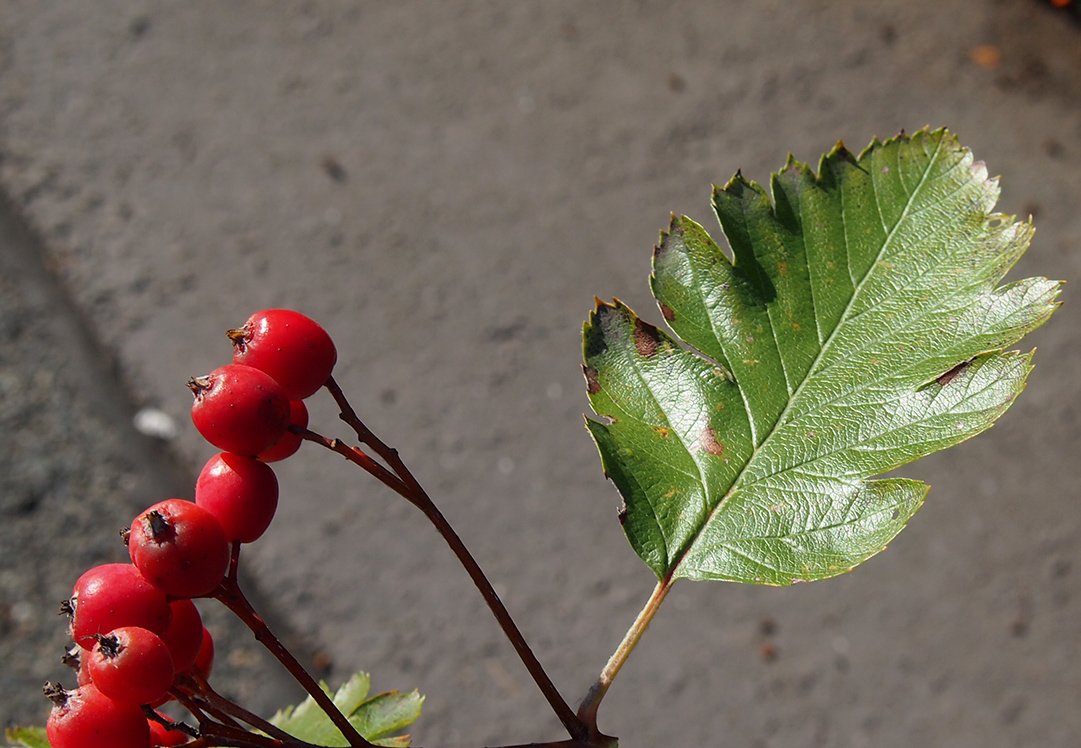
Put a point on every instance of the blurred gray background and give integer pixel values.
(445, 186)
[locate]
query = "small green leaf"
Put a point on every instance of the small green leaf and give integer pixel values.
(26, 737)
(387, 713)
(856, 327)
(375, 718)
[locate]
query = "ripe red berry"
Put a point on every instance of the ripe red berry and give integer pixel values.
(289, 442)
(131, 665)
(184, 635)
(180, 548)
(239, 409)
(84, 669)
(288, 346)
(86, 718)
(162, 737)
(113, 595)
(204, 663)
(241, 492)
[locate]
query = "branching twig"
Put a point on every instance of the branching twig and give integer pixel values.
(402, 481)
(230, 595)
(194, 683)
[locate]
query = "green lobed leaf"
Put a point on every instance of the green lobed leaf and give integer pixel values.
(858, 326)
(376, 718)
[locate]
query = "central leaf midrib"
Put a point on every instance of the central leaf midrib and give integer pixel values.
(814, 365)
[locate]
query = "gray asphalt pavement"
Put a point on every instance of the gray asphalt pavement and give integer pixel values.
(446, 186)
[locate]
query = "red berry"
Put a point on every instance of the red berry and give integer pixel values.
(204, 663)
(86, 718)
(289, 442)
(180, 548)
(239, 409)
(241, 492)
(84, 669)
(131, 665)
(288, 346)
(162, 737)
(184, 635)
(113, 595)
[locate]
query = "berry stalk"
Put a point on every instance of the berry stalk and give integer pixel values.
(197, 686)
(231, 596)
(404, 483)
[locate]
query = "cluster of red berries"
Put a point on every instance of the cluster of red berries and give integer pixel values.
(135, 625)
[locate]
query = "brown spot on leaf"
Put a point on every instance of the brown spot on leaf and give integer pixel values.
(593, 386)
(646, 338)
(708, 443)
(668, 312)
(950, 375)
(662, 431)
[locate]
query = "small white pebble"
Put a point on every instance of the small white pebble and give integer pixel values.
(155, 423)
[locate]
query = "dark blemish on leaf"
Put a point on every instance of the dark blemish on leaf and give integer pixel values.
(950, 375)
(592, 385)
(594, 342)
(646, 339)
(662, 431)
(668, 312)
(708, 442)
(622, 514)
(896, 514)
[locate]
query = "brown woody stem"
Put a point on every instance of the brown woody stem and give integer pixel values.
(402, 481)
(230, 595)
(195, 683)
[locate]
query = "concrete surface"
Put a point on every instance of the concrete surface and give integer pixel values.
(446, 186)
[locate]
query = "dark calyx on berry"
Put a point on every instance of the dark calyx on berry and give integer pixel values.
(160, 529)
(55, 693)
(109, 645)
